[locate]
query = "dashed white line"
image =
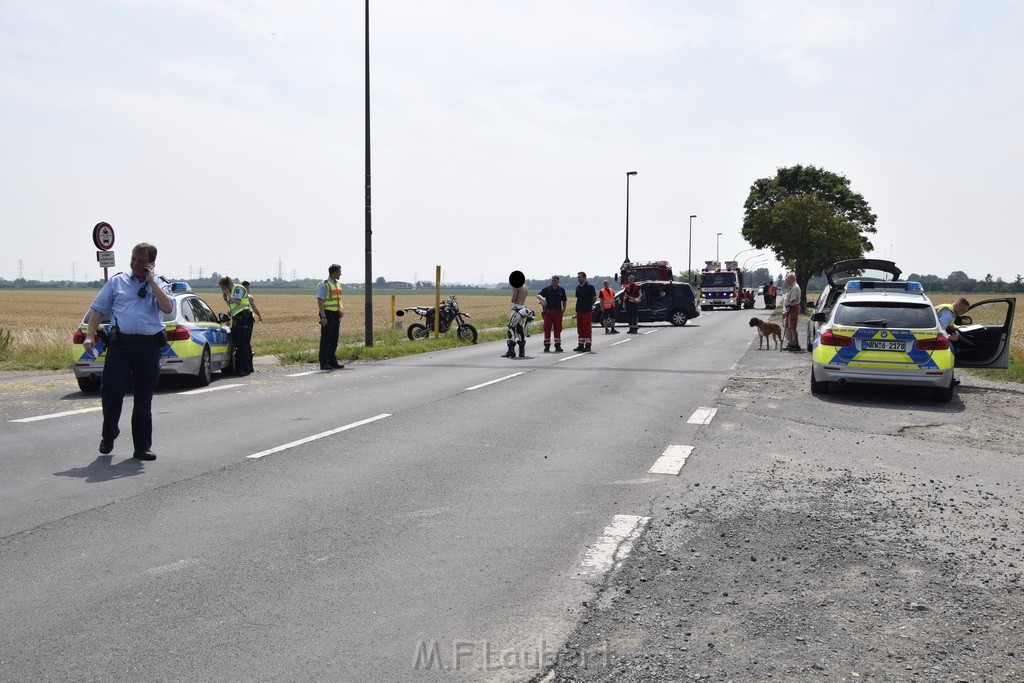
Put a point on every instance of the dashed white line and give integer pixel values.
(53, 415)
(614, 545)
(209, 389)
(650, 332)
(575, 355)
(315, 437)
(672, 460)
(702, 416)
(493, 381)
(622, 342)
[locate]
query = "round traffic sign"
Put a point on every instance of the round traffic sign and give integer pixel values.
(103, 236)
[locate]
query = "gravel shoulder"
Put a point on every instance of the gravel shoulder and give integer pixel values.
(865, 535)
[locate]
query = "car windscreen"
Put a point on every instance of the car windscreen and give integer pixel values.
(885, 314)
(718, 280)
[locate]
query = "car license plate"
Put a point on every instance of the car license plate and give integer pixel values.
(878, 345)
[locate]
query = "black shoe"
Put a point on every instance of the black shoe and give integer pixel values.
(558, 349)
(510, 354)
(337, 366)
(106, 447)
(587, 350)
(145, 455)
(547, 349)
(522, 354)
(955, 383)
(615, 331)
(326, 367)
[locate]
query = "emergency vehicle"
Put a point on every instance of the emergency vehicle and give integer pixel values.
(198, 342)
(648, 270)
(885, 332)
(721, 286)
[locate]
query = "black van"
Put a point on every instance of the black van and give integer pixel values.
(660, 301)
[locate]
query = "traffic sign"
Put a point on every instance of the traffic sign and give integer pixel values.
(105, 259)
(103, 236)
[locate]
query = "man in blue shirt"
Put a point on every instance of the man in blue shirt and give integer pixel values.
(553, 298)
(135, 303)
(585, 295)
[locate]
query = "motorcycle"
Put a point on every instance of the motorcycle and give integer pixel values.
(451, 315)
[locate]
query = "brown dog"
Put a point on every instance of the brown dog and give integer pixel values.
(767, 331)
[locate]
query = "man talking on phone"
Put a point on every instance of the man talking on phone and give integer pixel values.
(135, 303)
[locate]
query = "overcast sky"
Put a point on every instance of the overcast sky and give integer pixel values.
(230, 133)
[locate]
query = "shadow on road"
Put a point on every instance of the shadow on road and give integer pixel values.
(103, 469)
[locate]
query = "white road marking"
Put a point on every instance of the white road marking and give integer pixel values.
(308, 372)
(575, 355)
(672, 460)
(622, 342)
(53, 415)
(315, 437)
(614, 545)
(702, 416)
(650, 331)
(493, 381)
(209, 389)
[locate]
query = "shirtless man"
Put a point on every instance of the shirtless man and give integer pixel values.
(516, 317)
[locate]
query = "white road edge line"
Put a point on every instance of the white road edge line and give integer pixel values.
(209, 389)
(672, 460)
(614, 545)
(702, 416)
(53, 415)
(622, 342)
(494, 381)
(650, 332)
(575, 355)
(307, 372)
(321, 435)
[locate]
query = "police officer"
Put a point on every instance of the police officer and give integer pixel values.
(134, 302)
(237, 298)
(328, 300)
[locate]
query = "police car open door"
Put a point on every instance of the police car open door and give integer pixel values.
(985, 335)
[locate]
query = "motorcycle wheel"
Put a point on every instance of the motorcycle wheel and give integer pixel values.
(417, 331)
(467, 332)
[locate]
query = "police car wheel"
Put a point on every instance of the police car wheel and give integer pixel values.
(818, 387)
(943, 394)
(205, 372)
(88, 384)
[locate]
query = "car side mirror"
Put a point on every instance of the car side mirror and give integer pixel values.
(819, 317)
(964, 320)
(224, 317)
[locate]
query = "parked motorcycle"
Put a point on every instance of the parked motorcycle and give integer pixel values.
(451, 315)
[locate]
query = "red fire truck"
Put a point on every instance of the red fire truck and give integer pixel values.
(721, 286)
(649, 270)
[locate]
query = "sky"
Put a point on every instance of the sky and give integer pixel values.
(230, 133)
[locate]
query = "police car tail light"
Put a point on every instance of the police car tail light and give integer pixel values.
(78, 337)
(830, 339)
(179, 333)
(940, 343)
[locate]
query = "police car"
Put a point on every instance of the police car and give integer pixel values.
(888, 333)
(198, 343)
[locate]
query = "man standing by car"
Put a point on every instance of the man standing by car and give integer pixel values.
(631, 293)
(791, 313)
(607, 295)
(585, 295)
(328, 300)
(237, 298)
(553, 298)
(134, 302)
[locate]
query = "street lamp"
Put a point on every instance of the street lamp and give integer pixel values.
(628, 173)
(742, 251)
(750, 257)
(689, 254)
(718, 241)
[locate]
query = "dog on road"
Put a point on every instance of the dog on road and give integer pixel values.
(766, 331)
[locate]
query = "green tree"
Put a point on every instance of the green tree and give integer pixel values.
(810, 218)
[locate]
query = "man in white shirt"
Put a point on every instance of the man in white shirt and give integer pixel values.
(791, 312)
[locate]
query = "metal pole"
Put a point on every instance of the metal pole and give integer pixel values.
(369, 232)
(628, 173)
(689, 254)
(718, 242)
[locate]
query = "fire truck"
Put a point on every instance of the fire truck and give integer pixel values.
(649, 270)
(721, 285)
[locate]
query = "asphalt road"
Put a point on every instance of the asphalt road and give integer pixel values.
(452, 516)
(446, 512)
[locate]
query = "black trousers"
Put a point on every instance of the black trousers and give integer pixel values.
(132, 365)
(241, 338)
(329, 339)
(633, 312)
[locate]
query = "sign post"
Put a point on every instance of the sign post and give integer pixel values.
(103, 238)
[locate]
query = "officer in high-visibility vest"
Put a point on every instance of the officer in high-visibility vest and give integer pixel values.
(607, 295)
(328, 300)
(237, 298)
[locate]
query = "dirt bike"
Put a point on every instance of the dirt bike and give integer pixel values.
(451, 315)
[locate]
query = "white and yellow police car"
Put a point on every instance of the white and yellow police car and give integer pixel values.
(198, 343)
(888, 333)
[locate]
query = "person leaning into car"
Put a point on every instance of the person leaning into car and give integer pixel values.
(135, 303)
(948, 314)
(237, 298)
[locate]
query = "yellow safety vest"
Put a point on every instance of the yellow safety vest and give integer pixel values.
(332, 302)
(242, 304)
